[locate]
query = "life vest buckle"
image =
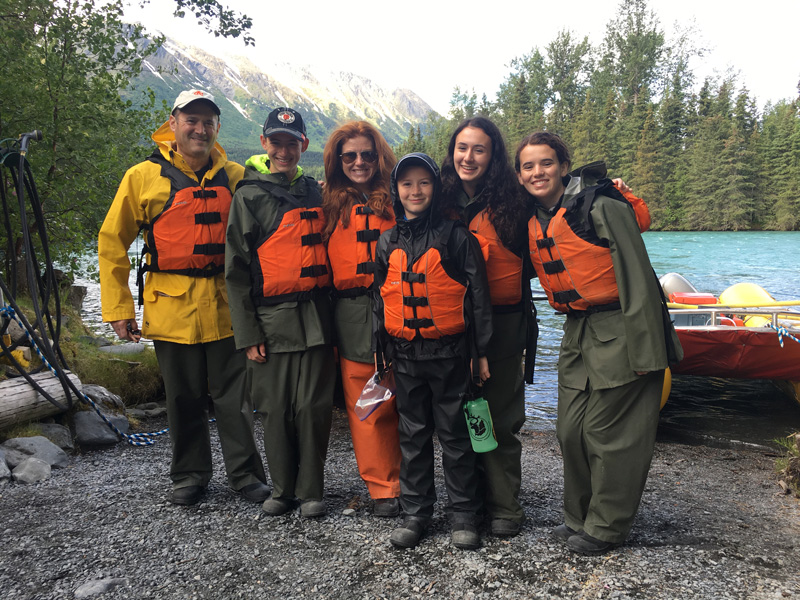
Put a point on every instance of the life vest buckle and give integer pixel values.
(368, 235)
(415, 301)
(311, 239)
(553, 266)
(411, 277)
(314, 271)
(365, 268)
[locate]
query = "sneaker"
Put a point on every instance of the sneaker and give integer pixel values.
(188, 495)
(277, 506)
(311, 509)
(505, 527)
(465, 536)
(583, 543)
(255, 492)
(408, 534)
(563, 532)
(386, 507)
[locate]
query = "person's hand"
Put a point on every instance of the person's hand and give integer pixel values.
(483, 369)
(621, 186)
(257, 353)
(127, 329)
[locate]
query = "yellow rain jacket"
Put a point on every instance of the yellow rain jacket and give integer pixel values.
(177, 308)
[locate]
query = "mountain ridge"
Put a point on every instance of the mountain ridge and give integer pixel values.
(246, 92)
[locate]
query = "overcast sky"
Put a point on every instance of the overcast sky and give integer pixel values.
(429, 47)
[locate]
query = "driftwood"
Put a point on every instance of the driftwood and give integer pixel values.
(19, 402)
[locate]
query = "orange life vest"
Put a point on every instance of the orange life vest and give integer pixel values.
(292, 263)
(573, 264)
(423, 299)
(503, 267)
(188, 236)
(351, 250)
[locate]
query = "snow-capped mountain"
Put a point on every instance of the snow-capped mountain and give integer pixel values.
(246, 92)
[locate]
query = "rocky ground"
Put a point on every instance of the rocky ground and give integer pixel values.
(712, 525)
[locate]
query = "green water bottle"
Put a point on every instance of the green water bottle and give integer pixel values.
(479, 424)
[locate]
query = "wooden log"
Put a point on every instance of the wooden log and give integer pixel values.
(19, 402)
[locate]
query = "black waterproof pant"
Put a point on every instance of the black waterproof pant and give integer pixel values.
(191, 373)
(428, 399)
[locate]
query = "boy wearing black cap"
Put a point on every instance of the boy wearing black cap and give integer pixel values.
(277, 275)
(432, 307)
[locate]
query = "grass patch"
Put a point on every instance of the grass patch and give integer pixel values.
(788, 466)
(135, 378)
(19, 430)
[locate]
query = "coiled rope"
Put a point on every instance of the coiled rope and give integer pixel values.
(43, 288)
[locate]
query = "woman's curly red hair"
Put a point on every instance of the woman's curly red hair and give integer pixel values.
(339, 194)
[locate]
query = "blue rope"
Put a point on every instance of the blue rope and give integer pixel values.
(782, 331)
(134, 439)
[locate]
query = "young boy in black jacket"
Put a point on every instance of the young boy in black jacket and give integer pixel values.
(433, 313)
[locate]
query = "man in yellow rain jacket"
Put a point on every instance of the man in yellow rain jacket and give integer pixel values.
(180, 196)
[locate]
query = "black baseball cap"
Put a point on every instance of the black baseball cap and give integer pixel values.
(285, 120)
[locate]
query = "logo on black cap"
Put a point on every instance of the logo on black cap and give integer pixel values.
(286, 117)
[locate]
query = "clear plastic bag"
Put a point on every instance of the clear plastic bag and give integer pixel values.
(379, 388)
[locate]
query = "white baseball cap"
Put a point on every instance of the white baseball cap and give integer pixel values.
(188, 96)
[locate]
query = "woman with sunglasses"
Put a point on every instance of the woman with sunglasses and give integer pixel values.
(479, 186)
(358, 163)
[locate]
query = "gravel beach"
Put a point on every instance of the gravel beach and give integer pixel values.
(713, 524)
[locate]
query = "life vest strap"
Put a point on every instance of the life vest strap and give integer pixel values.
(351, 292)
(205, 193)
(311, 239)
(418, 323)
(411, 277)
(309, 214)
(314, 271)
(209, 249)
(506, 309)
(304, 296)
(363, 209)
(566, 297)
(365, 268)
(547, 242)
(207, 218)
(553, 266)
(595, 309)
(368, 235)
(415, 301)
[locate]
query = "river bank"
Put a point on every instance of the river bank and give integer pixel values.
(713, 524)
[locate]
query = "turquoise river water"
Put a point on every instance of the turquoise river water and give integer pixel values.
(752, 411)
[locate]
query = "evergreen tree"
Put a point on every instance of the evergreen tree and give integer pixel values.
(588, 133)
(786, 174)
(64, 66)
(646, 178)
(634, 46)
(569, 68)
(705, 160)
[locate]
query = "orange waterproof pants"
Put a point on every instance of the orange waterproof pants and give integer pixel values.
(375, 439)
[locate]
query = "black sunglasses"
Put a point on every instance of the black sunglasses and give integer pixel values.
(370, 156)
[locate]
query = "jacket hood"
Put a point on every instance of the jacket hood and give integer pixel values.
(423, 160)
(164, 138)
(583, 177)
(257, 167)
